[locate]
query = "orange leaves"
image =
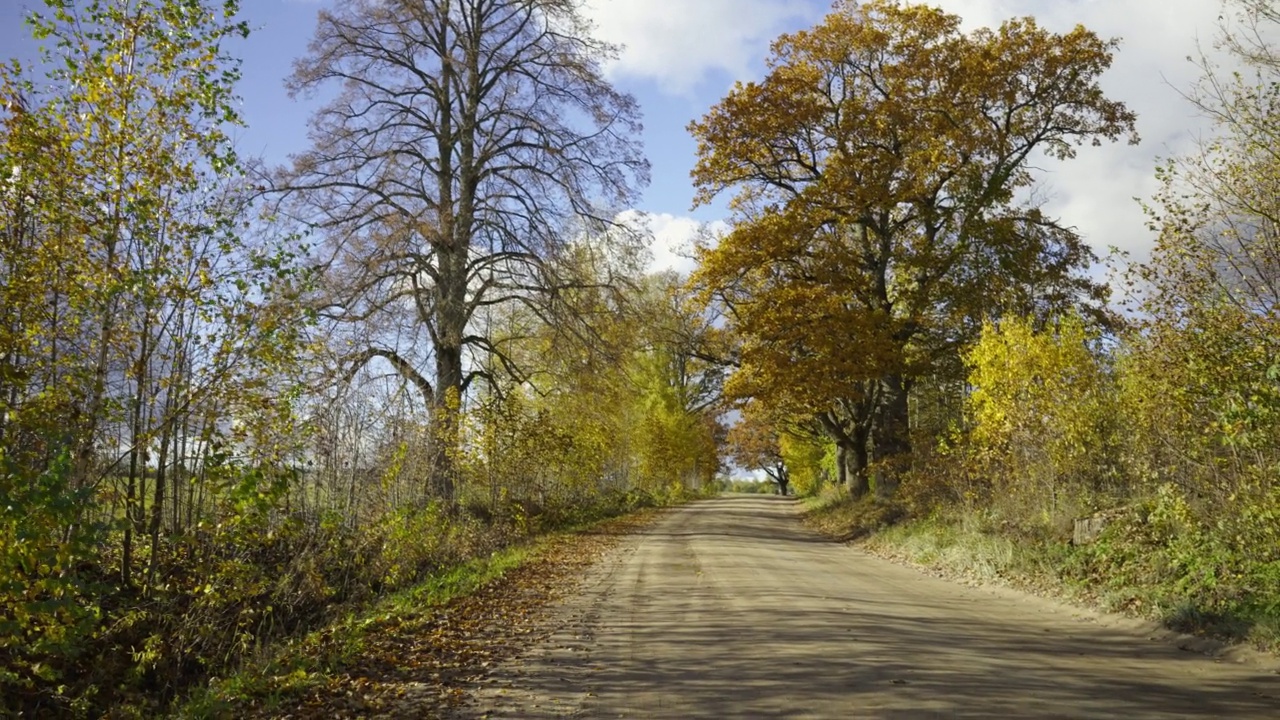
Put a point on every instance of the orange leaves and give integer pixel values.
(876, 171)
(879, 83)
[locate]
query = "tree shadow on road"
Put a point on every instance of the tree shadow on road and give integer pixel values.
(779, 644)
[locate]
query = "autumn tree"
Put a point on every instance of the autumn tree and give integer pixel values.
(140, 312)
(469, 142)
(1218, 207)
(678, 369)
(693, 347)
(756, 444)
(808, 455)
(644, 375)
(621, 414)
(1202, 376)
(884, 205)
(140, 324)
(1042, 416)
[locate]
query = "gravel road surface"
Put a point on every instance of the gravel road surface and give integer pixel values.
(729, 608)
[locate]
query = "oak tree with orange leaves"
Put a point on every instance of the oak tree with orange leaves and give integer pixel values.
(884, 204)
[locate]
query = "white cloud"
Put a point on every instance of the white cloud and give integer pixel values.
(672, 238)
(1095, 192)
(679, 43)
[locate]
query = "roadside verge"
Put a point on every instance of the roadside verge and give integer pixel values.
(967, 550)
(412, 654)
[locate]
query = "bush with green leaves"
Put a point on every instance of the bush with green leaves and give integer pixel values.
(51, 589)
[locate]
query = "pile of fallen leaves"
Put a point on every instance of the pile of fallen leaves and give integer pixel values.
(420, 665)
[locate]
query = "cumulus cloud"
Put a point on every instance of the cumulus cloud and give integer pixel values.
(672, 238)
(678, 44)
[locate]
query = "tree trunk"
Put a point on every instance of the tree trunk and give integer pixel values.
(447, 402)
(157, 508)
(851, 451)
(444, 422)
(892, 446)
(851, 467)
(137, 450)
(859, 481)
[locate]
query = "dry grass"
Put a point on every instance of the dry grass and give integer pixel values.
(843, 519)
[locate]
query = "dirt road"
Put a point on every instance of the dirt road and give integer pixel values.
(730, 609)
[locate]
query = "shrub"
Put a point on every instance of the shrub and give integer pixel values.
(50, 588)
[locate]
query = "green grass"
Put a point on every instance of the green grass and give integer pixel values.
(968, 547)
(958, 546)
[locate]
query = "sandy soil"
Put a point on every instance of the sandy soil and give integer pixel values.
(729, 608)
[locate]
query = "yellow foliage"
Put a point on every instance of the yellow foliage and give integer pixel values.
(1043, 407)
(806, 460)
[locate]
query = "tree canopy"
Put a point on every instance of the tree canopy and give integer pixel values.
(883, 198)
(470, 143)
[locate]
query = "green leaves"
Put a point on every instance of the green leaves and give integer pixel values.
(49, 610)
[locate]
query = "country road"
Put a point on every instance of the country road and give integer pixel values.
(729, 608)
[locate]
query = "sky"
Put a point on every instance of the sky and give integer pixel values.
(681, 56)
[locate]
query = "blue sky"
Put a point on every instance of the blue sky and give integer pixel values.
(681, 56)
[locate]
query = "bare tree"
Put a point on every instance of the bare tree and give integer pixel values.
(470, 142)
